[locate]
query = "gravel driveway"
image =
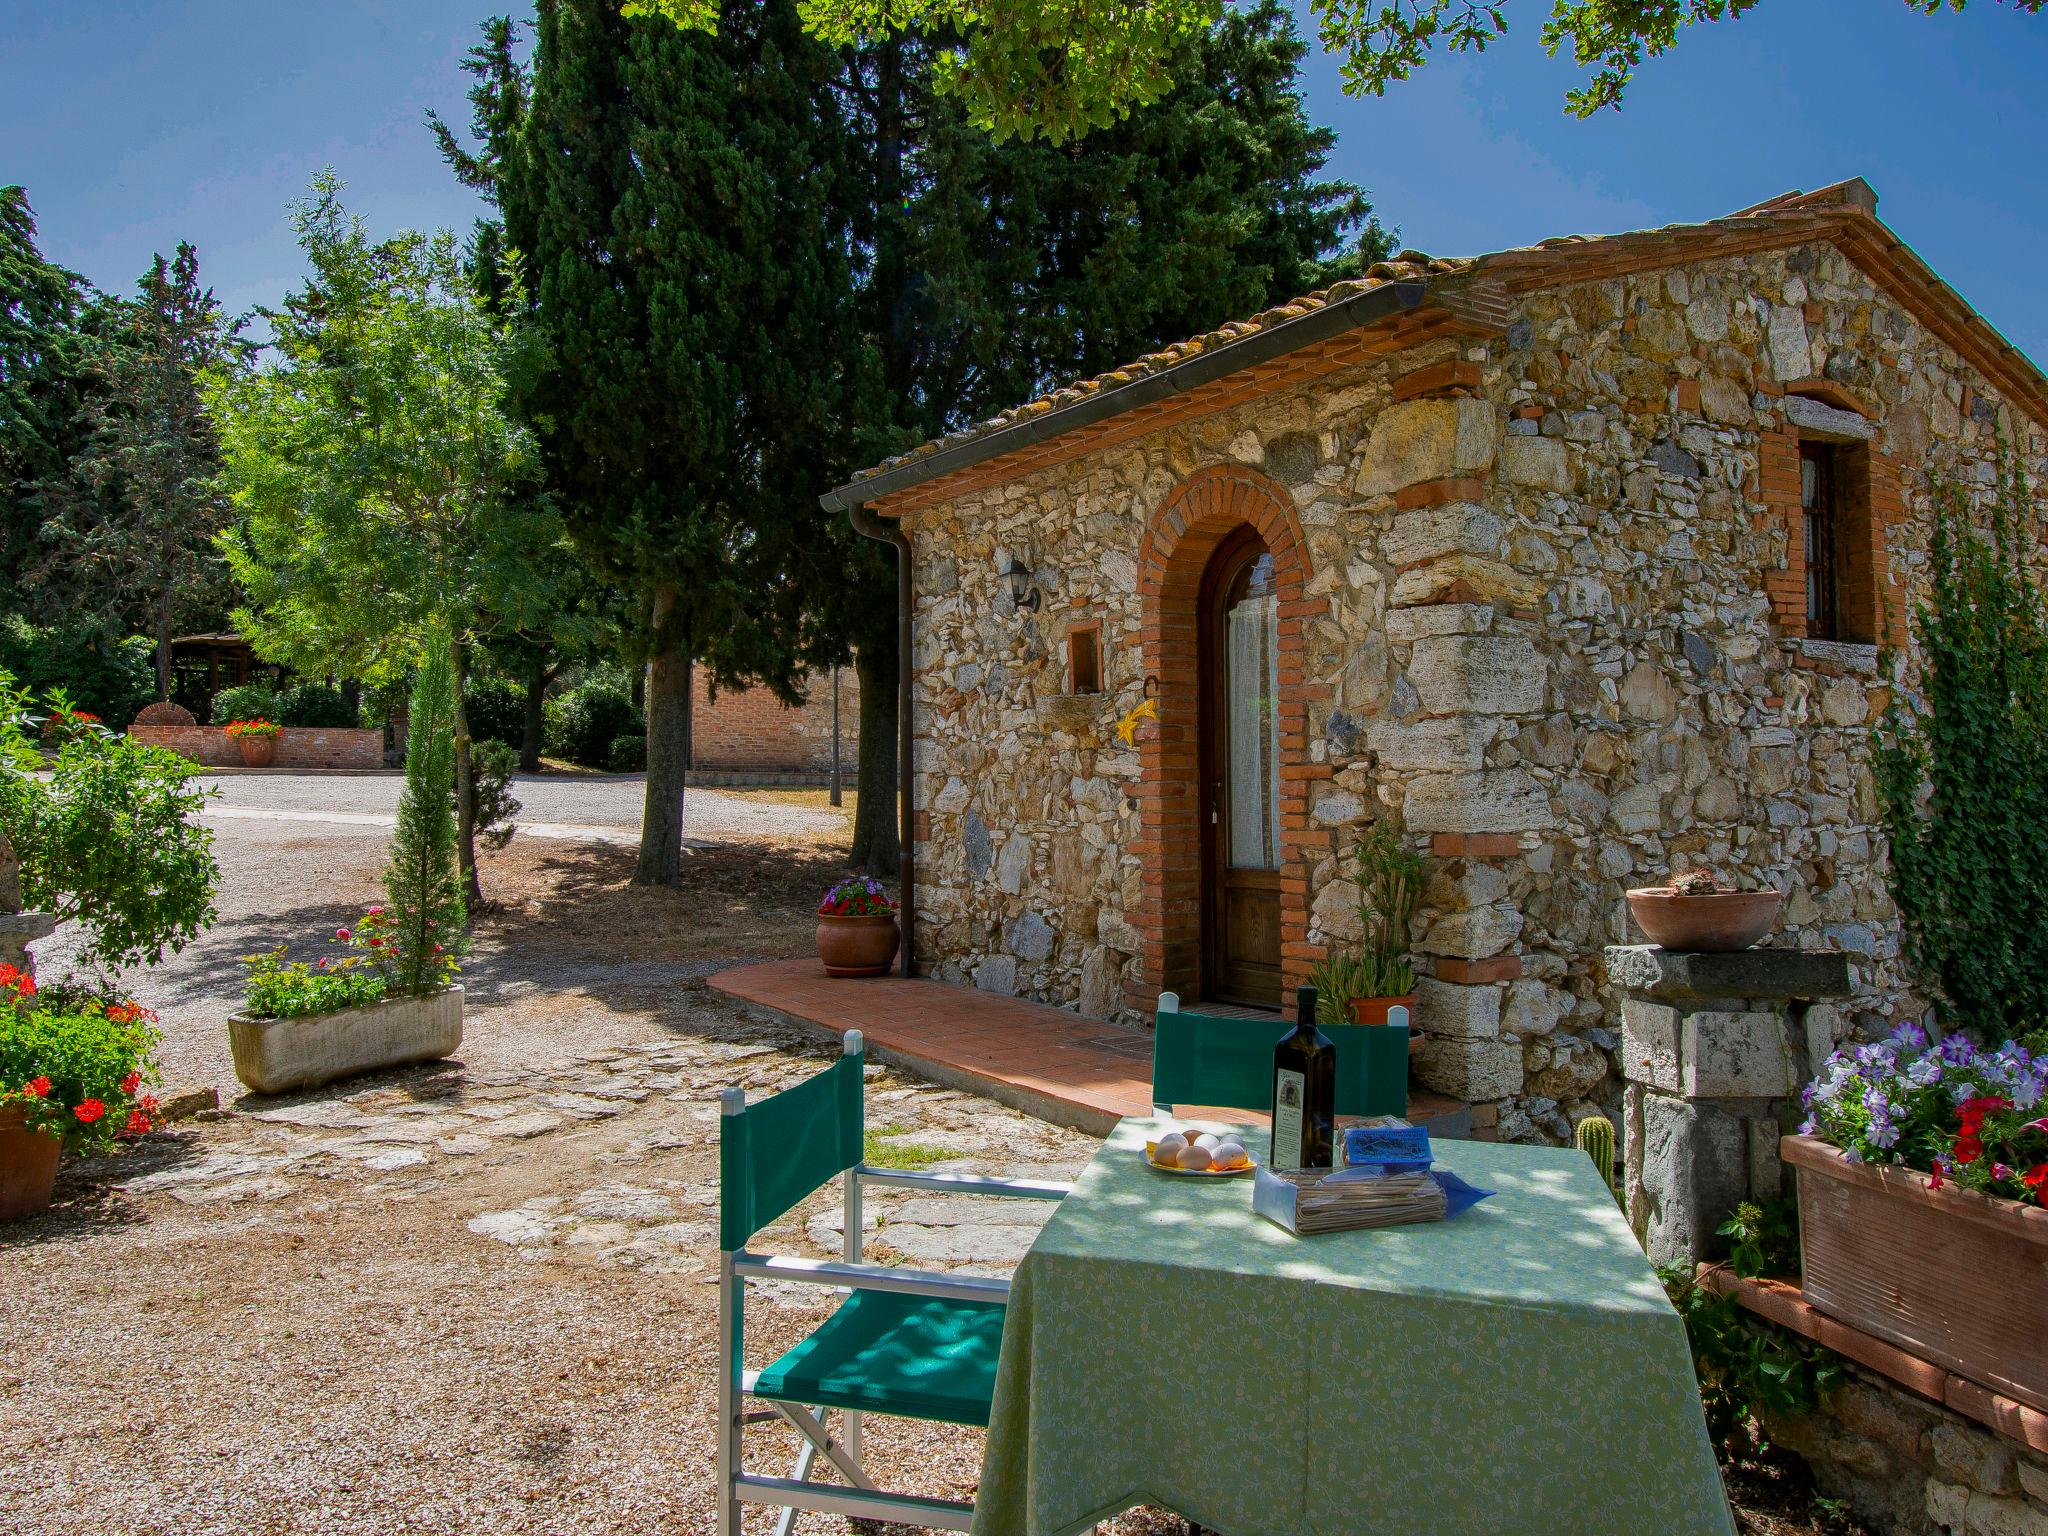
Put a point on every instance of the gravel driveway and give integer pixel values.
(472, 1297)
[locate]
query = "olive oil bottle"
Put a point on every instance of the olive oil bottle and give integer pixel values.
(1304, 1092)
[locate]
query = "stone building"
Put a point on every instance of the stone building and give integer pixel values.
(1577, 557)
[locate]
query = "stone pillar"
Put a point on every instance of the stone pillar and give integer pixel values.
(18, 929)
(1715, 1049)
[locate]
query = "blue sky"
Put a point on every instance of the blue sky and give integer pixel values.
(134, 123)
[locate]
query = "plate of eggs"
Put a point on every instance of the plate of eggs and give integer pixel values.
(1203, 1154)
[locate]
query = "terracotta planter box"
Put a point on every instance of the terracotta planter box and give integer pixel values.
(1374, 1010)
(858, 946)
(1954, 1277)
(28, 1166)
(284, 1055)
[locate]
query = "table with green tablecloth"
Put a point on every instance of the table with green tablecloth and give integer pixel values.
(1516, 1369)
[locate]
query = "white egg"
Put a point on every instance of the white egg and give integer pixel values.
(1169, 1147)
(1209, 1141)
(1229, 1155)
(1196, 1157)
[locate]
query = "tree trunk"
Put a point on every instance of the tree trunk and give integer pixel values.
(163, 645)
(876, 846)
(465, 785)
(668, 695)
(531, 727)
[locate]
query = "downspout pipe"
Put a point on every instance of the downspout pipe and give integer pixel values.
(866, 524)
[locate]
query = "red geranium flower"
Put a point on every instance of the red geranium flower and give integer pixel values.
(138, 1124)
(147, 1103)
(37, 1087)
(341, 934)
(90, 1111)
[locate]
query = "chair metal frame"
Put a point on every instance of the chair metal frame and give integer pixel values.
(861, 1499)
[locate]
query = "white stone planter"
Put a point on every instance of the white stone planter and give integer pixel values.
(284, 1055)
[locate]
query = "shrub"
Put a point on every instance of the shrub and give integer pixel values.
(421, 884)
(104, 672)
(1962, 779)
(496, 707)
(110, 840)
(627, 754)
(76, 1061)
(591, 718)
(314, 705)
(244, 701)
(491, 766)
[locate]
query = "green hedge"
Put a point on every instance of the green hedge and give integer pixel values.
(104, 672)
(589, 720)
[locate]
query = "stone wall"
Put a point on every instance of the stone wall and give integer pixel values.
(750, 730)
(1909, 1467)
(1546, 614)
(307, 747)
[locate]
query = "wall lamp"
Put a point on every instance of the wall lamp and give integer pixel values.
(1019, 573)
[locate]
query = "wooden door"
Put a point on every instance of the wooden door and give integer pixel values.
(1239, 650)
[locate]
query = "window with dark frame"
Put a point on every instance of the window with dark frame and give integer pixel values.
(1820, 504)
(1084, 659)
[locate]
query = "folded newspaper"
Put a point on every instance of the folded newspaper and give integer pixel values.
(1387, 1181)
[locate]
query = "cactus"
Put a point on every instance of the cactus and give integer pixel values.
(1389, 879)
(1595, 1137)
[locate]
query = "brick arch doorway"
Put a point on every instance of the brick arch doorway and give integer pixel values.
(1224, 542)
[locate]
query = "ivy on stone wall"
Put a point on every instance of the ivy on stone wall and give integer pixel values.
(1962, 773)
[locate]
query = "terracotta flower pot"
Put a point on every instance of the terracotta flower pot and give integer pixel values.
(1374, 1010)
(28, 1165)
(858, 946)
(1726, 920)
(1952, 1276)
(257, 751)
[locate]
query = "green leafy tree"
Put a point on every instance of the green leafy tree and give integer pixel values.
(382, 490)
(129, 524)
(110, 839)
(1057, 68)
(421, 880)
(1962, 775)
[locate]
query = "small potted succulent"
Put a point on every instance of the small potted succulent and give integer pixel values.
(1364, 985)
(256, 740)
(857, 933)
(1696, 912)
(72, 1070)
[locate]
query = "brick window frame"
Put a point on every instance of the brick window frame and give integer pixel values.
(1186, 530)
(1085, 669)
(1867, 505)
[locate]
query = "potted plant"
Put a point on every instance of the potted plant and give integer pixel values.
(391, 997)
(1923, 1166)
(1696, 912)
(1363, 986)
(256, 740)
(72, 1069)
(857, 933)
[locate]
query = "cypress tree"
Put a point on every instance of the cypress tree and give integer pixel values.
(421, 880)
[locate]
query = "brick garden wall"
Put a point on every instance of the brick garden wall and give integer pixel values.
(752, 731)
(297, 746)
(1549, 613)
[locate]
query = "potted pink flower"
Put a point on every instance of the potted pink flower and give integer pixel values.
(857, 933)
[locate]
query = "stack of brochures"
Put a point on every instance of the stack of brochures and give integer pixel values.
(1387, 1180)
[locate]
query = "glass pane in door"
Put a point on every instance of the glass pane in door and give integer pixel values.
(1251, 691)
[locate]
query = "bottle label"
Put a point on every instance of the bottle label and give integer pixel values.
(1290, 1100)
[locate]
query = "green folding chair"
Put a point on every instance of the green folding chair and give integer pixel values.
(903, 1342)
(1210, 1059)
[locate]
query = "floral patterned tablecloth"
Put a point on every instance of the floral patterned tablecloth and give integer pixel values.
(1515, 1370)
